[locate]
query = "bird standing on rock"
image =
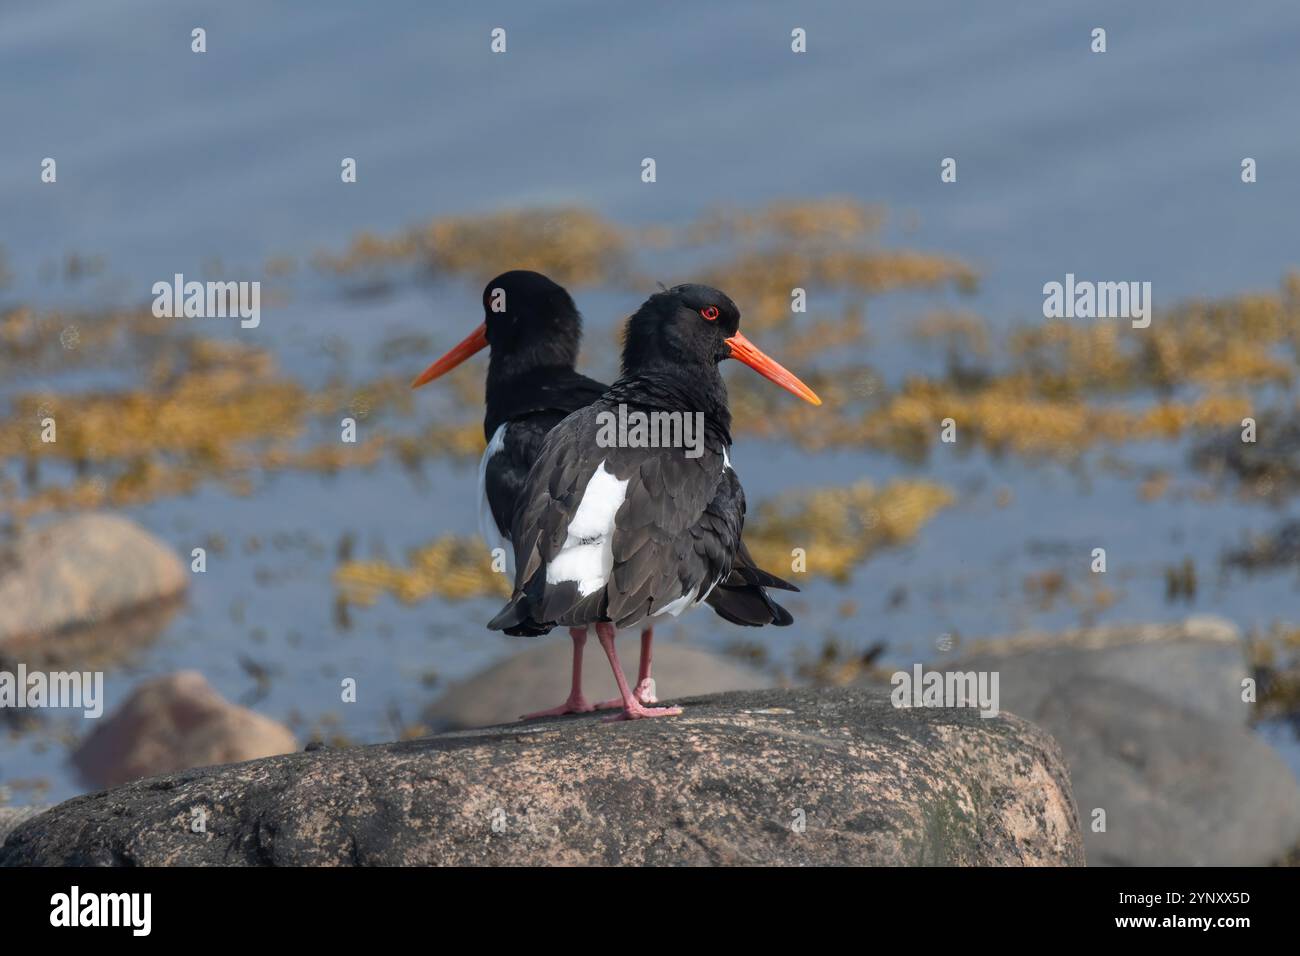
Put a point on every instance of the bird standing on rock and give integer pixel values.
(615, 536)
(533, 329)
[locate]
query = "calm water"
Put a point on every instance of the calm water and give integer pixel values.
(1122, 166)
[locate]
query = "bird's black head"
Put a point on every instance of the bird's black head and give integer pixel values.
(697, 326)
(685, 325)
(529, 321)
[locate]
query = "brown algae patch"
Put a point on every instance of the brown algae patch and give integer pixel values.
(574, 246)
(841, 526)
(211, 411)
(452, 566)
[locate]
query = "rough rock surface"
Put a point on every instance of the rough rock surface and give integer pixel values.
(1152, 725)
(82, 571)
(10, 817)
(727, 782)
(1178, 789)
(176, 722)
(538, 678)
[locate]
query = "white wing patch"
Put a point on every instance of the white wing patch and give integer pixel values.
(726, 459)
(587, 556)
(487, 525)
(692, 599)
(676, 607)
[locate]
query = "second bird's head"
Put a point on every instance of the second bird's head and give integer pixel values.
(698, 325)
(529, 322)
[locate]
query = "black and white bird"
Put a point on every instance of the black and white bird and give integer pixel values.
(620, 535)
(533, 330)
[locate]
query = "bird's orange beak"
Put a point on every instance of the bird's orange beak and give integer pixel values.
(751, 355)
(476, 342)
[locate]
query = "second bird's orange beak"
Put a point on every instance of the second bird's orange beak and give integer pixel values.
(753, 356)
(476, 342)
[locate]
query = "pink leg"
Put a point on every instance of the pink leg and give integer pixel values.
(576, 703)
(645, 685)
(633, 709)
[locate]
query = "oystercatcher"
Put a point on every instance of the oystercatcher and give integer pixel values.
(614, 535)
(534, 328)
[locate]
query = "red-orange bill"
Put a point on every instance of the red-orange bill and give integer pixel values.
(476, 341)
(751, 355)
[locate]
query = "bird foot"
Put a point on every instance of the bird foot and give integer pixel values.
(574, 705)
(636, 711)
(644, 693)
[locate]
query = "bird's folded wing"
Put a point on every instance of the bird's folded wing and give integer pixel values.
(672, 534)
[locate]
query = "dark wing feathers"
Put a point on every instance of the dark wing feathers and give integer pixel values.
(740, 597)
(507, 470)
(749, 606)
(745, 571)
(666, 513)
(543, 512)
(535, 403)
(676, 531)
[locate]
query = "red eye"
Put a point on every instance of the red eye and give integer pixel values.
(710, 312)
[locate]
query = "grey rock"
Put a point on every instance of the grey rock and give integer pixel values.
(1178, 789)
(1199, 663)
(175, 722)
(1152, 725)
(80, 572)
(538, 678)
(723, 784)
